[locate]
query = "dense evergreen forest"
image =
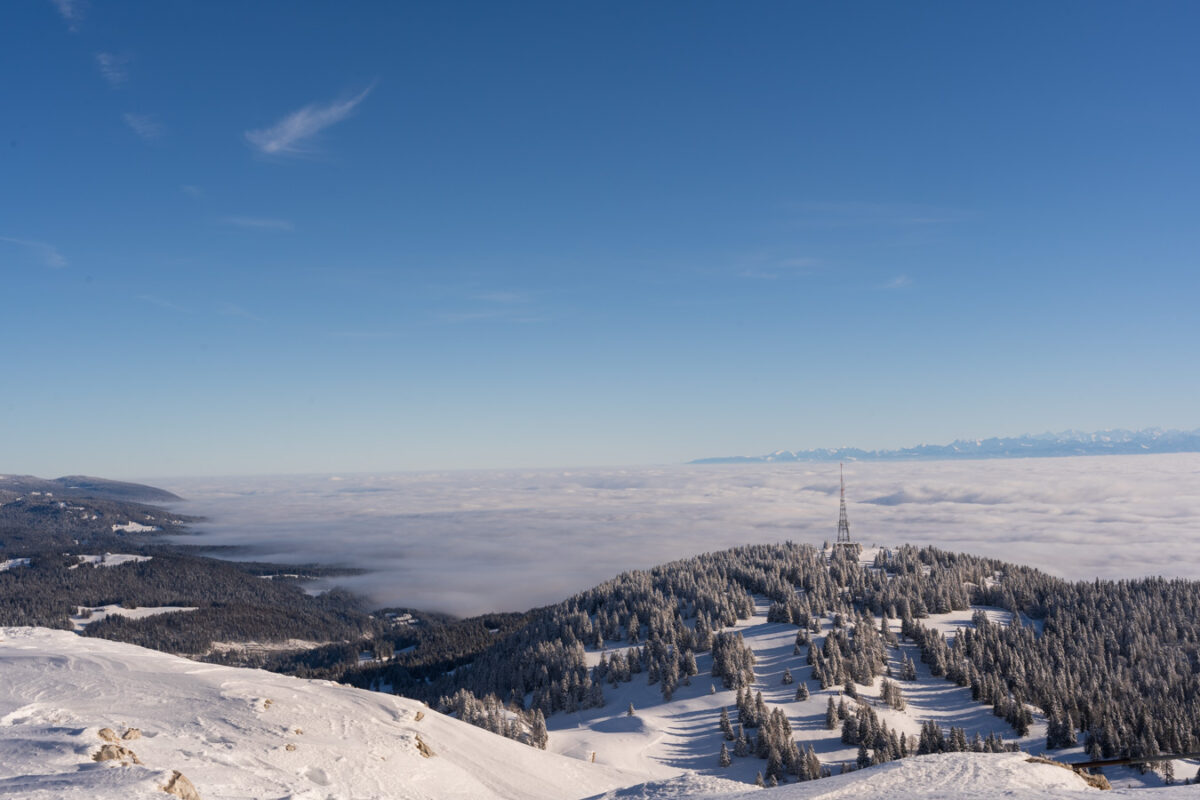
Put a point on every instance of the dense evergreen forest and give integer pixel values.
(1117, 663)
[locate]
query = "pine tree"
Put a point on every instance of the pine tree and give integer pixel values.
(726, 728)
(831, 715)
(741, 747)
(629, 713)
(802, 692)
(787, 676)
(538, 735)
(724, 759)
(850, 731)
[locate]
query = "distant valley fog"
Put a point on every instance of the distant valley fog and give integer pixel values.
(470, 542)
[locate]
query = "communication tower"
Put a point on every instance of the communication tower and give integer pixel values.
(843, 537)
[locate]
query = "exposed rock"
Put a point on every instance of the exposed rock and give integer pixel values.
(181, 787)
(115, 752)
(423, 748)
(420, 716)
(131, 733)
(299, 731)
(1095, 781)
(108, 735)
(290, 747)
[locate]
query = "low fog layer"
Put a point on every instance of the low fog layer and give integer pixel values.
(470, 542)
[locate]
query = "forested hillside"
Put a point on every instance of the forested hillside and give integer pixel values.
(1114, 663)
(53, 538)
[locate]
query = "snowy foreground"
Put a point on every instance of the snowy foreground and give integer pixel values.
(236, 733)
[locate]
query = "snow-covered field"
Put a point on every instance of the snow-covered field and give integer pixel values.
(135, 527)
(473, 542)
(237, 733)
(112, 559)
(87, 615)
(664, 739)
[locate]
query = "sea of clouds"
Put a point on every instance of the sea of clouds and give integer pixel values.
(470, 542)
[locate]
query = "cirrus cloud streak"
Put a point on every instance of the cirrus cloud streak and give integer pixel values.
(292, 135)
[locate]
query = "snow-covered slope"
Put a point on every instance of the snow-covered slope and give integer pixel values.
(237, 733)
(952, 776)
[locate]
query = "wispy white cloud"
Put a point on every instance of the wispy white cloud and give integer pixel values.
(898, 282)
(770, 267)
(260, 223)
(114, 67)
(364, 334)
(146, 126)
(46, 253)
(191, 191)
(161, 303)
(874, 215)
(503, 297)
(292, 135)
(71, 11)
(233, 310)
(498, 305)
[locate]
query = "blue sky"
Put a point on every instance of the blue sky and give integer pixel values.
(297, 237)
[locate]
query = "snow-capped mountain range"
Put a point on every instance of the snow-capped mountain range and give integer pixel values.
(1066, 443)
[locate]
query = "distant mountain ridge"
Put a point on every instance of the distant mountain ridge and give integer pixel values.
(1066, 443)
(85, 486)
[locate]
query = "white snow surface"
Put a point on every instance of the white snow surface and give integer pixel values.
(86, 615)
(112, 559)
(229, 731)
(13, 562)
(135, 527)
(215, 725)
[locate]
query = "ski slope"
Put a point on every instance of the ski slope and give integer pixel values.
(663, 740)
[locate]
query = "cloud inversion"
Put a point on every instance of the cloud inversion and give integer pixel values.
(470, 542)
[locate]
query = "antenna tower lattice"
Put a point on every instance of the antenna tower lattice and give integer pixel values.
(843, 535)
